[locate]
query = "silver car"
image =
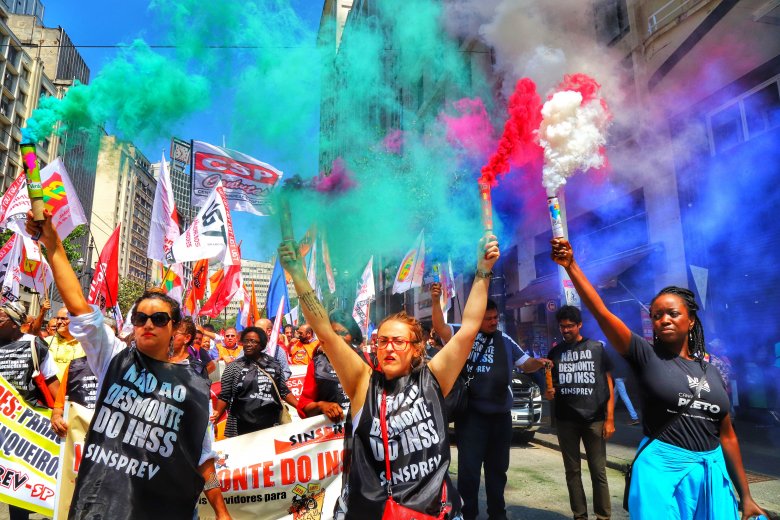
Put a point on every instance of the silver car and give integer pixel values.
(526, 407)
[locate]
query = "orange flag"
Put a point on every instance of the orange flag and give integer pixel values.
(215, 278)
(254, 314)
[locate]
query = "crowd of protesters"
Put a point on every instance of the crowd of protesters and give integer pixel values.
(368, 383)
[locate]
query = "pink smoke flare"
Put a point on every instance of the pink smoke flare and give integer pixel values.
(339, 180)
(471, 128)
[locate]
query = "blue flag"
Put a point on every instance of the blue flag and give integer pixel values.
(277, 289)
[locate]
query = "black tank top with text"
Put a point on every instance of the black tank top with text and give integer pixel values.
(418, 444)
(144, 444)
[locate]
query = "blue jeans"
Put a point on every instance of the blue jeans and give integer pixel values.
(483, 439)
(620, 388)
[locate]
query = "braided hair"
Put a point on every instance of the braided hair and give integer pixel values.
(696, 345)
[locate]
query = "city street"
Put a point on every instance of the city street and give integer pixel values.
(536, 488)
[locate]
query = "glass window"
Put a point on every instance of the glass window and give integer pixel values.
(762, 109)
(611, 17)
(726, 128)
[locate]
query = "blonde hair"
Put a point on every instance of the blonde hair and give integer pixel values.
(417, 333)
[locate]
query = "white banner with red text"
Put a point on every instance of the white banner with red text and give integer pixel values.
(29, 453)
(247, 181)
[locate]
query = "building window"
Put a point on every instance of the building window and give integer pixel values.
(762, 109)
(726, 127)
(611, 18)
(745, 117)
(13, 54)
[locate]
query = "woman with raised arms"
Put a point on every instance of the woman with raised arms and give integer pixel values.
(148, 452)
(400, 404)
(690, 456)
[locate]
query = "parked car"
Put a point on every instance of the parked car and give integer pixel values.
(526, 406)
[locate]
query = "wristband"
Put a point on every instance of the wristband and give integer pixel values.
(484, 274)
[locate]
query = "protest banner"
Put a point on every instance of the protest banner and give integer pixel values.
(247, 181)
(29, 453)
(78, 418)
(295, 381)
(291, 471)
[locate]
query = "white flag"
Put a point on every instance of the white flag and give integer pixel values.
(311, 274)
(59, 197)
(292, 317)
(35, 274)
(164, 227)
(13, 273)
(410, 272)
(209, 236)
(365, 294)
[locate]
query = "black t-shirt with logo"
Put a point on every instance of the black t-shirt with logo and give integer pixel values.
(16, 365)
(419, 449)
(82, 383)
(490, 366)
(666, 383)
(142, 451)
(580, 379)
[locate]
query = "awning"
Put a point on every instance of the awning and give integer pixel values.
(599, 273)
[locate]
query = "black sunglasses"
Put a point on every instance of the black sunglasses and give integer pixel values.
(159, 319)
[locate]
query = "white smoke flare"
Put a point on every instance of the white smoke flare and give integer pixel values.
(573, 137)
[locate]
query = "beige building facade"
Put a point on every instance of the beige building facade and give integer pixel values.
(124, 192)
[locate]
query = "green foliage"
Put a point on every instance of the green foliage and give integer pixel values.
(129, 291)
(72, 249)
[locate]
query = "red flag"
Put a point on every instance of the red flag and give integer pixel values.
(224, 292)
(105, 283)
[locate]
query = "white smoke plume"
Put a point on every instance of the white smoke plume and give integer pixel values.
(573, 136)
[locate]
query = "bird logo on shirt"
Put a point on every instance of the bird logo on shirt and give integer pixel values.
(693, 383)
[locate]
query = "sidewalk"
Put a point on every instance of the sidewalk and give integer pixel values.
(759, 446)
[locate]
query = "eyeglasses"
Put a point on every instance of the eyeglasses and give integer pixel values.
(342, 332)
(60, 319)
(399, 344)
(230, 335)
(159, 319)
(251, 342)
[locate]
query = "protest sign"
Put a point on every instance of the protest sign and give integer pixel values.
(29, 453)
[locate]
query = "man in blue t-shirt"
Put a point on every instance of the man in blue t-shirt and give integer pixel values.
(484, 430)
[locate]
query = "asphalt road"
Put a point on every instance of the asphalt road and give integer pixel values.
(536, 487)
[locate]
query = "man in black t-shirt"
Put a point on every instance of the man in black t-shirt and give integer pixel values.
(484, 429)
(584, 407)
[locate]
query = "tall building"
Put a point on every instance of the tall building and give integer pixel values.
(29, 7)
(58, 63)
(260, 273)
(125, 186)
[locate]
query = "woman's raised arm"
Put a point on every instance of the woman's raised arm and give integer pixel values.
(448, 363)
(618, 334)
(62, 272)
(353, 373)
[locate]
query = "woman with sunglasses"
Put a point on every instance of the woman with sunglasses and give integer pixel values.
(253, 388)
(401, 404)
(322, 393)
(148, 452)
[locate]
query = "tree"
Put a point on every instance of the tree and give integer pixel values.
(72, 250)
(129, 292)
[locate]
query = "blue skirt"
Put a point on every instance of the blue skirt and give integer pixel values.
(677, 484)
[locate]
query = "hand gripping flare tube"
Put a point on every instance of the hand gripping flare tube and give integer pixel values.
(33, 174)
(555, 216)
(285, 220)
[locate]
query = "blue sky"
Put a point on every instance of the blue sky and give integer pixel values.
(98, 22)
